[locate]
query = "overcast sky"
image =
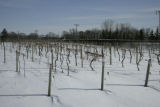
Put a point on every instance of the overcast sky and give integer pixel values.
(58, 15)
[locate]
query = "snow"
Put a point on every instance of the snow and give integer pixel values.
(123, 87)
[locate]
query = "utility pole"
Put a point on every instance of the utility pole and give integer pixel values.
(76, 25)
(158, 13)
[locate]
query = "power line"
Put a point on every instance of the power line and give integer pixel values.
(76, 26)
(158, 13)
(76, 29)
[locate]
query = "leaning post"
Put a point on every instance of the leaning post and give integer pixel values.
(102, 77)
(147, 74)
(50, 80)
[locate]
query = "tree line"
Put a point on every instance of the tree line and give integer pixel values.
(112, 30)
(6, 36)
(109, 30)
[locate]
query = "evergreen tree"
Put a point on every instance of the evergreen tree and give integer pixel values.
(141, 34)
(157, 34)
(4, 34)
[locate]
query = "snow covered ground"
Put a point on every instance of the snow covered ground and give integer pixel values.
(123, 86)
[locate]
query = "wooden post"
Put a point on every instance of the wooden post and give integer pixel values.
(19, 63)
(68, 68)
(87, 51)
(4, 54)
(147, 74)
(118, 54)
(76, 56)
(27, 52)
(52, 57)
(81, 55)
(55, 63)
(50, 80)
(136, 54)
(149, 53)
(102, 77)
(39, 50)
(130, 56)
(110, 49)
(16, 61)
(24, 65)
(123, 56)
(32, 52)
(19, 46)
